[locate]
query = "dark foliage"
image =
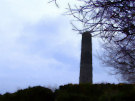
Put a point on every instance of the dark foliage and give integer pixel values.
(96, 92)
(70, 92)
(30, 94)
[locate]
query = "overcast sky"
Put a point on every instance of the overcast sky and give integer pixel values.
(39, 47)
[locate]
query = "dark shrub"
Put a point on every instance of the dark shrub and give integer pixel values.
(96, 92)
(37, 93)
(70, 92)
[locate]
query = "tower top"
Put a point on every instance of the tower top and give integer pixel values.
(86, 34)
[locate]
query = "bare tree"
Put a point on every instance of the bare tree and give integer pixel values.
(114, 22)
(121, 58)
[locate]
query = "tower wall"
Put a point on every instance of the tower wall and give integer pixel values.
(86, 59)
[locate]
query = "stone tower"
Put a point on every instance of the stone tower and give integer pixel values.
(86, 59)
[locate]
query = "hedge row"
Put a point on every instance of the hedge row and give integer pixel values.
(70, 92)
(96, 92)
